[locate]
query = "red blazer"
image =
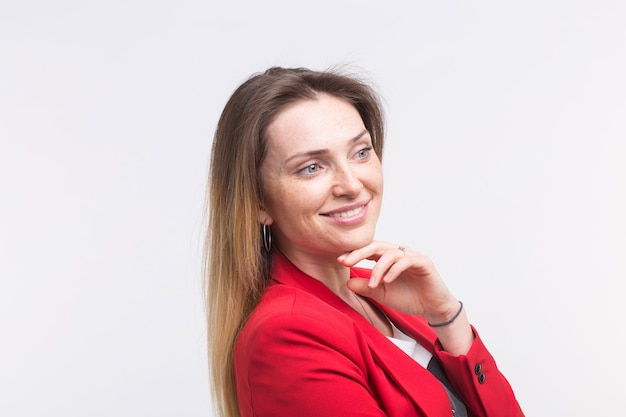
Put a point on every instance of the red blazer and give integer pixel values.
(304, 352)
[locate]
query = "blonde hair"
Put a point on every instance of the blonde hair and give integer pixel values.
(236, 265)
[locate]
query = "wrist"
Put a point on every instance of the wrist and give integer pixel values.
(448, 317)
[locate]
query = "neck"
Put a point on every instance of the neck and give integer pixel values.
(335, 276)
(327, 270)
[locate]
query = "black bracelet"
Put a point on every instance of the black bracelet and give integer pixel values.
(445, 323)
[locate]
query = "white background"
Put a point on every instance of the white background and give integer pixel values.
(505, 163)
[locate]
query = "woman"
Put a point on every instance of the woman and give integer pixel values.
(295, 329)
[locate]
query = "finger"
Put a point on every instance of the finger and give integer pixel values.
(396, 269)
(360, 286)
(386, 263)
(370, 252)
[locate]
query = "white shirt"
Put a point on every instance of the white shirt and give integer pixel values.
(409, 346)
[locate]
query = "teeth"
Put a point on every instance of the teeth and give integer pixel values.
(348, 213)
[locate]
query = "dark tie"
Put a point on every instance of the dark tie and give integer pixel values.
(458, 408)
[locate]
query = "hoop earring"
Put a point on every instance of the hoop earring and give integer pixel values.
(267, 238)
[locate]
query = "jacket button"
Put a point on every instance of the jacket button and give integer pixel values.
(478, 369)
(481, 378)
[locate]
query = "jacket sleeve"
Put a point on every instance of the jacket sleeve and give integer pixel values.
(297, 365)
(476, 378)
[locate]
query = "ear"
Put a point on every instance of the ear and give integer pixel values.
(264, 217)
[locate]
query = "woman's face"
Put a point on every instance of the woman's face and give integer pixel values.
(322, 181)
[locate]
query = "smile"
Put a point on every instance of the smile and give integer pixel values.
(348, 213)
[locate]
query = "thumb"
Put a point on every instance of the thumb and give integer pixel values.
(361, 287)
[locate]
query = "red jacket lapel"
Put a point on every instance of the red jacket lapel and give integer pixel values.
(418, 384)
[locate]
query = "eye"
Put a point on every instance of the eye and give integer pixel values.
(364, 153)
(311, 169)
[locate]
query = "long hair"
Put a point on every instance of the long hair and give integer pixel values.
(236, 264)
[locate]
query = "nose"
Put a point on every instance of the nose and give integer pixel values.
(347, 182)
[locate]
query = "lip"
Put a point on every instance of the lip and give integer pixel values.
(349, 214)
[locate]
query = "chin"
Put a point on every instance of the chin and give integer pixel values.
(358, 243)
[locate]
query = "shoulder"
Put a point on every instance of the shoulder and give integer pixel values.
(292, 312)
(293, 327)
(298, 355)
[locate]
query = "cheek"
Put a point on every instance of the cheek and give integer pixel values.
(281, 198)
(299, 199)
(373, 178)
(376, 175)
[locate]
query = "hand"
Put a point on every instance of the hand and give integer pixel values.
(404, 280)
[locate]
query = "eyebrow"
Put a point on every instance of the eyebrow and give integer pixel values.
(323, 151)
